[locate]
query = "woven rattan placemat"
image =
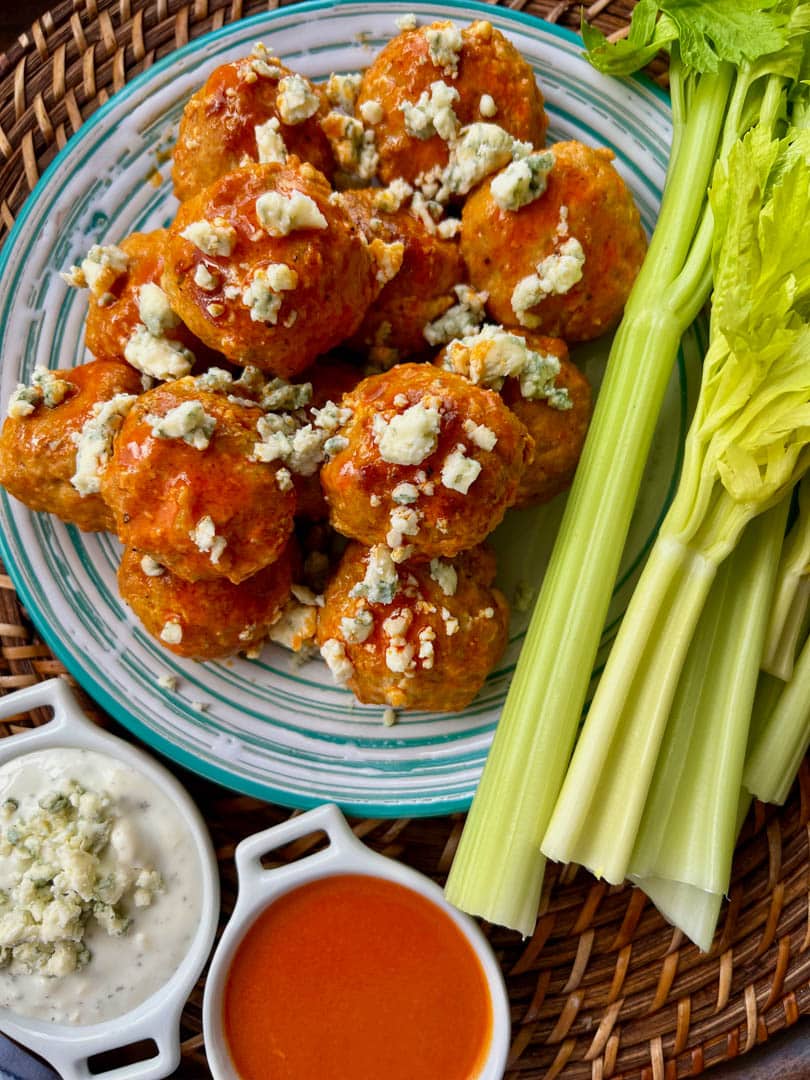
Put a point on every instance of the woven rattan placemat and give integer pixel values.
(604, 988)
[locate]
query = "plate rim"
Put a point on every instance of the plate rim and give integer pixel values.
(429, 806)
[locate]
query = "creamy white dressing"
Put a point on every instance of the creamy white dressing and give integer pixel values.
(149, 831)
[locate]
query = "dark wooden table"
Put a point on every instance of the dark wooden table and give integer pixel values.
(784, 1057)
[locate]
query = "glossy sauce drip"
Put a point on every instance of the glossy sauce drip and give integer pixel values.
(356, 978)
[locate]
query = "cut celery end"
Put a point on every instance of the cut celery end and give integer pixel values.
(689, 826)
(691, 910)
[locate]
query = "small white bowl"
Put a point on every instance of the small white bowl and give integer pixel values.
(158, 1017)
(346, 854)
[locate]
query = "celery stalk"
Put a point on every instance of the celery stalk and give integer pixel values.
(792, 598)
(747, 446)
(689, 825)
(777, 749)
(694, 911)
(498, 869)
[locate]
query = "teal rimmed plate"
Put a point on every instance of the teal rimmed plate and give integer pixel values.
(269, 727)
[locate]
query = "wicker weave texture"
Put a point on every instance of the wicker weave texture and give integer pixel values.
(604, 988)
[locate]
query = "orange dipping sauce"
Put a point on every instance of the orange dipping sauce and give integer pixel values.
(353, 977)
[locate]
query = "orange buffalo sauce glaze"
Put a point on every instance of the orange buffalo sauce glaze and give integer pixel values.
(356, 978)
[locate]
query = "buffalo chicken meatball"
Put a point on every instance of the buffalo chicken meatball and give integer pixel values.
(429, 464)
(187, 490)
(543, 388)
(429, 83)
(422, 290)
(265, 268)
(252, 110)
(204, 619)
(563, 262)
(129, 316)
(413, 636)
(42, 460)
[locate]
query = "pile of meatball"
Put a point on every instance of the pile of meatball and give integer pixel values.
(313, 397)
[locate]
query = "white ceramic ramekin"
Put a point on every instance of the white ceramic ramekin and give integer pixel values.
(69, 1048)
(345, 854)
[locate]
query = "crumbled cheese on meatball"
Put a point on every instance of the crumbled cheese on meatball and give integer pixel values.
(262, 294)
(399, 653)
(433, 113)
(95, 441)
(296, 101)
(487, 106)
(282, 214)
(204, 279)
(460, 320)
(296, 627)
(448, 228)
(353, 145)
(155, 311)
(334, 653)
(284, 480)
(428, 211)
(445, 576)
(160, 357)
(151, 567)
(187, 421)
(215, 237)
(300, 449)
(523, 181)
(46, 389)
(64, 871)
(357, 628)
(480, 435)
(388, 200)
(405, 494)
(172, 632)
(270, 145)
(381, 582)
(331, 416)
(556, 275)
(406, 22)
(494, 354)
(408, 437)
(481, 149)
(451, 623)
(460, 472)
(204, 535)
(427, 635)
(342, 91)
(444, 46)
(262, 62)
(371, 112)
(403, 521)
(99, 270)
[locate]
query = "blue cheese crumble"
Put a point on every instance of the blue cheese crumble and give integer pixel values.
(281, 214)
(445, 576)
(46, 388)
(296, 101)
(65, 874)
(555, 275)
(155, 311)
(433, 113)
(94, 443)
(188, 421)
(523, 181)
(380, 583)
(482, 149)
(342, 91)
(334, 653)
(408, 437)
(263, 294)
(357, 628)
(460, 472)
(99, 270)
(151, 567)
(462, 319)
(215, 237)
(270, 145)
(204, 535)
(444, 46)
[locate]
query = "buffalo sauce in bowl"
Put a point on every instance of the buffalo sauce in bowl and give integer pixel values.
(353, 977)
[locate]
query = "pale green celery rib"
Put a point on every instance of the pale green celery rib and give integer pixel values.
(692, 910)
(769, 690)
(792, 595)
(498, 869)
(596, 819)
(689, 826)
(777, 750)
